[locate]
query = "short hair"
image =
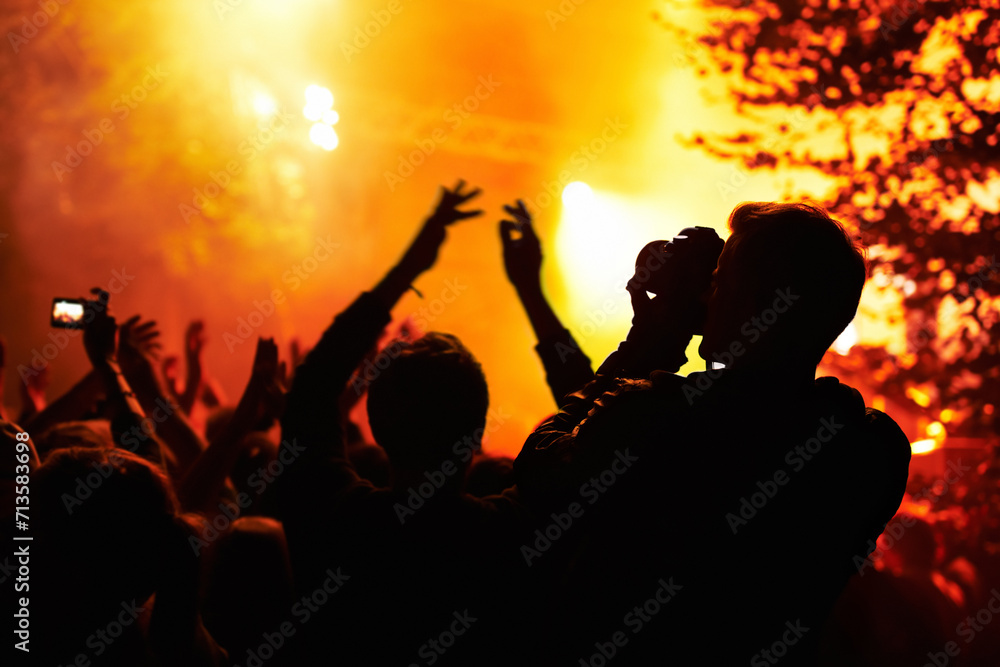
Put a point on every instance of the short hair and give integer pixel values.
(96, 501)
(431, 395)
(799, 246)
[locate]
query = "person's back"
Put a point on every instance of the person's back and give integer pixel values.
(752, 492)
(416, 573)
(732, 554)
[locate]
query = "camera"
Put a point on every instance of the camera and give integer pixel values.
(692, 256)
(682, 265)
(75, 313)
(67, 313)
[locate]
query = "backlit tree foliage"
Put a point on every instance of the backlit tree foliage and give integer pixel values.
(894, 106)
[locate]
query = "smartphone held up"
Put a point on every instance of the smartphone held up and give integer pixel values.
(68, 313)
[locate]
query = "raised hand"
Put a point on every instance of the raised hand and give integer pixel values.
(194, 339)
(424, 250)
(522, 256)
(138, 349)
(194, 343)
(99, 329)
(263, 401)
(168, 369)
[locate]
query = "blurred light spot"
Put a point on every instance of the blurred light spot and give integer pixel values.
(264, 104)
(312, 113)
(919, 397)
(923, 446)
(935, 429)
(324, 136)
(319, 97)
(577, 195)
(330, 117)
(846, 340)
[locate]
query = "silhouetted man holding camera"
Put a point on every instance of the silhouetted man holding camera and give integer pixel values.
(754, 490)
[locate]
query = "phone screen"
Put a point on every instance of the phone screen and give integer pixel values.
(67, 313)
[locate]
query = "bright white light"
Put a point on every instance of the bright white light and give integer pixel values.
(264, 104)
(846, 340)
(312, 113)
(324, 136)
(577, 195)
(330, 117)
(319, 97)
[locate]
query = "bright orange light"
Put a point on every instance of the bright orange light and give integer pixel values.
(925, 446)
(324, 136)
(919, 397)
(947, 415)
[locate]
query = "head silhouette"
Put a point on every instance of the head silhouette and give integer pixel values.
(787, 284)
(94, 502)
(431, 396)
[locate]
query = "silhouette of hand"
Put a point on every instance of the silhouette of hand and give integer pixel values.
(423, 251)
(138, 350)
(264, 398)
(168, 369)
(194, 339)
(522, 257)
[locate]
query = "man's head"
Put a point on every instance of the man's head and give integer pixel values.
(105, 514)
(432, 395)
(788, 282)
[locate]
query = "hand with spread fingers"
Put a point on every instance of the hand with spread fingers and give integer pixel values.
(522, 251)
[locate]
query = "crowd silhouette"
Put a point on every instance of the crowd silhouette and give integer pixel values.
(745, 514)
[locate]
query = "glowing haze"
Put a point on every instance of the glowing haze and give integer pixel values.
(261, 162)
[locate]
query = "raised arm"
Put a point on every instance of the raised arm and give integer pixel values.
(262, 401)
(138, 350)
(126, 414)
(194, 344)
(311, 426)
(567, 368)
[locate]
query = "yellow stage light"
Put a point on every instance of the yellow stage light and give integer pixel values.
(312, 113)
(925, 446)
(324, 136)
(319, 97)
(577, 195)
(264, 104)
(330, 117)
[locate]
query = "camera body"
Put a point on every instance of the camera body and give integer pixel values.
(693, 254)
(76, 313)
(68, 313)
(683, 264)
